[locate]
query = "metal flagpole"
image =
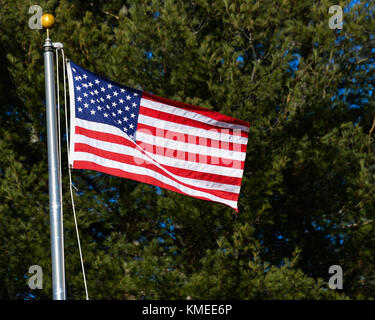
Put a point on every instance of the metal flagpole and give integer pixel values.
(55, 209)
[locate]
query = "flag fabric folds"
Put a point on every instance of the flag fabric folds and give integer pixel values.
(133, 134)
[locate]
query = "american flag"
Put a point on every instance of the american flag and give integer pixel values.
(133, 134)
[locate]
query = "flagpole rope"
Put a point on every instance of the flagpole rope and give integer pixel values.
(70, 175)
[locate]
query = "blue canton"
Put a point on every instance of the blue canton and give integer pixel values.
(104, 101)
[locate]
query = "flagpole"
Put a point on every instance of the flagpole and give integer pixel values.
(55, 203)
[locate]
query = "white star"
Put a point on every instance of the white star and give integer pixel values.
(126, 119)
(127, 108)
(114, 104)
(108, 96)
(90, 84)
(128, 97)
(109, 86)
(84, 76)
(101, 99)
(92, 101)
(97, 81)
(76, 77)
(99, 108)
(134, 104)
(119, 111)
(96, 91)
(105, 115)
(86, 105)
(92, 93)
(121, 101)
(122, 90)
(80, 109)
(125, 129)
(115, 93)
(131, 126)
(119, 121)
(102, 89)
(74, 70)
(80, 78)
(78, 88)
(85, 85)
(92, 112)
(107, 106)
(132, 115)
(85, 94)
(114, 114)
(135, 94)
(79, 99)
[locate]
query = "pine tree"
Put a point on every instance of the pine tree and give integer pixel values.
(307, 194)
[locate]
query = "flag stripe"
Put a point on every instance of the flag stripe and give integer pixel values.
(189, 138)
(167, 157)
(184, 112)
(137, 157)
(189, 147)
(212, 114)
(91, 165)
(186, 129)
(184, 121)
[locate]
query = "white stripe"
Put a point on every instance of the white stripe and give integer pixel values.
(142, 136)
(83, 156)
(189, 114)
(117, 148)
(192, 165)
(188, 130)
(72, 112)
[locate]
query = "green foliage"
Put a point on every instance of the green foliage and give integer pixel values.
(307, 197)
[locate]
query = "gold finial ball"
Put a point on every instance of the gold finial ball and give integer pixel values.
(48, 20)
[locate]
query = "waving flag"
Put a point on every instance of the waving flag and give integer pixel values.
(133, 134)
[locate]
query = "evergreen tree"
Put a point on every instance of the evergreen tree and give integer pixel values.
(307, 196)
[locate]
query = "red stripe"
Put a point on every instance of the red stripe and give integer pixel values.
(203, 111)
(103, 136)
(188, 138)
(132, 160)
(186, 121)
(166, 152)
(133, 176)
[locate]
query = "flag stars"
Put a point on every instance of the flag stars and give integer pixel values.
(79, 99)
(86, 105)
(114, 104)
(92, 112)
(134, 104)
(128, 97)
(109, 86)
(80, 109)
(126, 119)
(85, 76)
(121, 101)
(132, 115)
(102, 89)
(131, 126)
(127, 108)
(122, 90)
(97, 81)
(115, 93)
(113, 114)
(78, 88)
(105, 115)
(108, 96)
(90, 84)
(119, 111)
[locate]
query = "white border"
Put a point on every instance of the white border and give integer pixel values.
(72, 113)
